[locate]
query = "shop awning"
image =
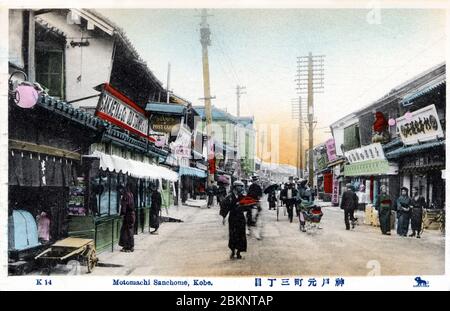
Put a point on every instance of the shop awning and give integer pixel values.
(192, 171)
(134, 168)
(369, 168)
(338, 161)
(173, 109)
(410, 97)
(406, 150)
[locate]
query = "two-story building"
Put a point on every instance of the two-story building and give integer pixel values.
(78, 126)
(397, 141)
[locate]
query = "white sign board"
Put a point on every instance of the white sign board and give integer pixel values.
(366, 153)
(181, 147)
(421, 125)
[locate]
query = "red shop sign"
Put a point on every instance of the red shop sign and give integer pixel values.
(118, 109)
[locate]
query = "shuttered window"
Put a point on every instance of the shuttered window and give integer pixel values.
(351, 137)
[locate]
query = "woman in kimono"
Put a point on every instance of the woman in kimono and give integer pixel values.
(418, 204)
(128, 212)
(384, 204)
(237, 241)
(155, 209)
(403, 212)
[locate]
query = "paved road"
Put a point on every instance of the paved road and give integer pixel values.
(198, 247)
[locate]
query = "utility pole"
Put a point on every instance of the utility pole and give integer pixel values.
(238, 96)
(310, 75)
(205, 40)
(237, 136)
(168, 83)
(297, 114)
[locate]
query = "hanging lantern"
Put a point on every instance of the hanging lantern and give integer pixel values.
(391, 122)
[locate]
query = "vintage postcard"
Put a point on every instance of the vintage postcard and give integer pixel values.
(282, 146)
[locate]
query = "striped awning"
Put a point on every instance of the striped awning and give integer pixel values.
(191, 171)
(407, 150)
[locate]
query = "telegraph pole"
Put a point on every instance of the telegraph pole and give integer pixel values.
(238, 96)
(297, 114)
(310, 75)
(168, 83)
(205, 40)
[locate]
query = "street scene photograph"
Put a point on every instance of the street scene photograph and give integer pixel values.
(226, 142)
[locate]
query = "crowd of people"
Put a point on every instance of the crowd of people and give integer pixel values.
(407, 209)
(242, 205)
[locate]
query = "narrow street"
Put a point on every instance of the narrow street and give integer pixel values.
(198, 247)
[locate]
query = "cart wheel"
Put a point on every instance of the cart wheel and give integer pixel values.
(91, 260)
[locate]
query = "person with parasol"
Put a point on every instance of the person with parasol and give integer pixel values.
(237, 241)
(272, 196)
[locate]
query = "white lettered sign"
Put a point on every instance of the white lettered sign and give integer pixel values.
(420, 125)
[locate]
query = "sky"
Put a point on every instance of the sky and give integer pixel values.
(367, 53)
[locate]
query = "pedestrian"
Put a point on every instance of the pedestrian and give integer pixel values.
(418, 204)
(289, 195)
(237, 241)
(221, 192)
(272, 199)
(383, 205)
(348, 204)
(155, 209)
(255, 192)
(127, 212)
(403, 212)
(211, 191)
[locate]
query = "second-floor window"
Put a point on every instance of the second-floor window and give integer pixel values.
(351, 137)
(50, 71)
(50, 61)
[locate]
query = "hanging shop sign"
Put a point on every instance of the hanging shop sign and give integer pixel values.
(331, 149)
(419, 126)
(371, 167)
(366, 153)
(181, 147)
(118, 109)
(322, 162)
(165, 123)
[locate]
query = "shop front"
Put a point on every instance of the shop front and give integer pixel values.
(46, 141)
(125, 153)
(102, 174)
(421, 157)
(367, 170)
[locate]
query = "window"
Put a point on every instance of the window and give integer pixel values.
(107, 196)
(50, 71)
(351, 137)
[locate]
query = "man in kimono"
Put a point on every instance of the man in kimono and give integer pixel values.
(383, 204)
(289, 194)
(237, 241)
(155, 209)
(348, 203)
(404, 205)
(127, 212)
(418, 204)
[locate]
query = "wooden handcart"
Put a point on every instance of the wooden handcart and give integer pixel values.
(67, 249)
